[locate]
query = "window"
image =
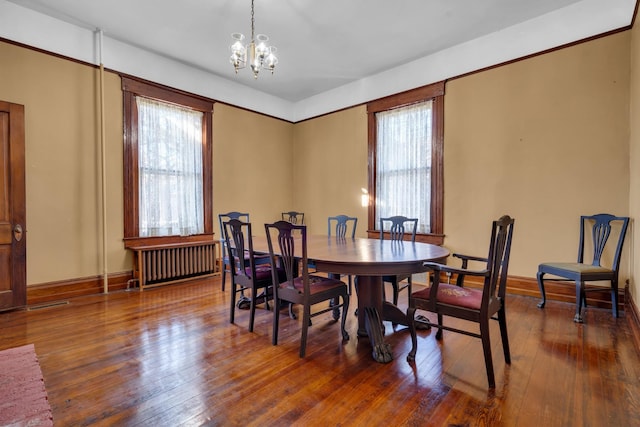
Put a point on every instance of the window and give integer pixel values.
(405, 159)
(167, 164)
(169, 169)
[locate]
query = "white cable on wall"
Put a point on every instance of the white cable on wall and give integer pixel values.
(105, 276)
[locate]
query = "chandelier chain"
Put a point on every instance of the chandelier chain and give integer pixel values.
(252, 22)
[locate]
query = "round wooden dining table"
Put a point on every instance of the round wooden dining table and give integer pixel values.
(369, 260)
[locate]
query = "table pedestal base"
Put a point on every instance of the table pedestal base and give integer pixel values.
(372, 311)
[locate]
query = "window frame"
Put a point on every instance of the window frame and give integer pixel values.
(434, 92)
(132, 88)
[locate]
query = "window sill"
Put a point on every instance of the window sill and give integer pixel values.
(131, 242)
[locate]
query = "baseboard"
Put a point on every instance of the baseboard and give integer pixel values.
(634, 321)
(557, 291)
(61, 290)
(597, 296)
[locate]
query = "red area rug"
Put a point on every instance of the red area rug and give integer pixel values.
(23, 398)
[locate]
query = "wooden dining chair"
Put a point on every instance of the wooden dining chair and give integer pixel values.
(242, 216)
(246, 273)
(474, 305)
(304, 289)
(340, 225)
(395, 228)
(293, 217)
(601, 226)
(222, 218)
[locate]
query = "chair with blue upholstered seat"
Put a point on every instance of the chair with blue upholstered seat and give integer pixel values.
(600, 227)
(293, 217)
(341, 224)
(396, 229)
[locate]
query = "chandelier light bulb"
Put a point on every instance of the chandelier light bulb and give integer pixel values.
(261, 49)
(238, 52)
(271, 60)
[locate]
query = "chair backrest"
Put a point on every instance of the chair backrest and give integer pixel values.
(398, 227)
(600, 232)
(498, 259)
(341, 225)
(281, 233)
(239, 245)
(223, 217)
(293, 217)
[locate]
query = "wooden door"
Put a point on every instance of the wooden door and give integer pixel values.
(13, 247)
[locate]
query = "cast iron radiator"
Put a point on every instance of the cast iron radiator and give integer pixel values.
(163, 264)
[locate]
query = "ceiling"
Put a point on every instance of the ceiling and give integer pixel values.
(322, 45)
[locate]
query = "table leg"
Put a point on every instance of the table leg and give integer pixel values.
(393, 314)
(398, 317)
(334, 302)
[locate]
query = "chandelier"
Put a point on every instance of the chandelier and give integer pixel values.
(261, 55)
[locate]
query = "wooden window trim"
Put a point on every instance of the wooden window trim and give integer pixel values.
(131, 88)
(434, 92)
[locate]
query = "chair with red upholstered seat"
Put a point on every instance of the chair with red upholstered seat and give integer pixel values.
(243, 302)
(474, 305)
(290, 252)
(246, 273)
(222, 218)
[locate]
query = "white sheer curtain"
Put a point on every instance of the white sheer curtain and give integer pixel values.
(403, 176)
(170, 169)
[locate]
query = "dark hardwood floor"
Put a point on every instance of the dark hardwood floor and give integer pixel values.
(168, 357)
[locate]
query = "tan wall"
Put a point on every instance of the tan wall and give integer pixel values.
(330, 168)
(252, 165)
(63, 166)
(634, 157)
(544, 140)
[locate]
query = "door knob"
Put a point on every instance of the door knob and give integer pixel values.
(17, 232)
